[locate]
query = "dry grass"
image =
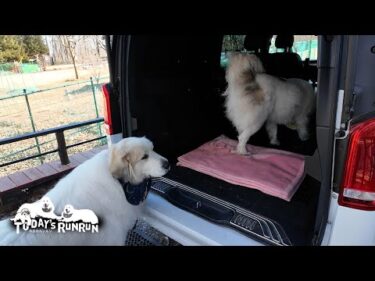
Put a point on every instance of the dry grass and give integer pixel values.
(49, 109)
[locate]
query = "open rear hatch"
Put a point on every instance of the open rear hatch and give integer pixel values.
(170, 91)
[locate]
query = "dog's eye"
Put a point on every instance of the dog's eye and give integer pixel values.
(145, 157)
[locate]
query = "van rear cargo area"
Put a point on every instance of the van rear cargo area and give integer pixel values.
(174, 93)
(296, 217)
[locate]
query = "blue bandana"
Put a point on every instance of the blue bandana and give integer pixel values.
(135, 194)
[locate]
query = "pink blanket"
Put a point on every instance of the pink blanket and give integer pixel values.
(274, 172)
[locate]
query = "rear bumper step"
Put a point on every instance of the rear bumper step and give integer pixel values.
(221, 212)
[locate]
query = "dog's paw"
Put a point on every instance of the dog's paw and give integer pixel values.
(241, 152)
(275, 142)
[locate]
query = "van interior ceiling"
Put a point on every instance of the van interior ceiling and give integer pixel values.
(175, 86)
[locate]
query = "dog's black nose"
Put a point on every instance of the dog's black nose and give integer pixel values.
(166, 165)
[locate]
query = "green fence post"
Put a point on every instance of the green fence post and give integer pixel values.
(96, 107)
(32, 124)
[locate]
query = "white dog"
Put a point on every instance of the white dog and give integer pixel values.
(22, 215)
(95, 185)
(70, 214)
(254, 97)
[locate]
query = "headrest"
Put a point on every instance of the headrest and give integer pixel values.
(256, 42)
(284, 41)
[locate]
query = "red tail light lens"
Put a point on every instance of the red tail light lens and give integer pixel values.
(358, 186)
(107, 110)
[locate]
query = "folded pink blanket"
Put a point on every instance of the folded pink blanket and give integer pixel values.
(274, 172)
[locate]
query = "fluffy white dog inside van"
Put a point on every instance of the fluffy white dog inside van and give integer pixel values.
(254, 98)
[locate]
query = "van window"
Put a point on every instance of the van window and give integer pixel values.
(306, 46)
(231, 43)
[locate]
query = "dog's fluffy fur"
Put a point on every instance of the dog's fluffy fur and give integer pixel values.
(94, 185)
(254, 97)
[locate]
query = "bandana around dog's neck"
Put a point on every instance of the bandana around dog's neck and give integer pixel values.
(136, 193)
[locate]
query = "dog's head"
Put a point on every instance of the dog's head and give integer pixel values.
(24, 213)
(47, 205)
(243, 64)
(68, 211)
(133, 160)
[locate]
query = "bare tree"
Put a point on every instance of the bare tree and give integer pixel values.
(99, 44)
(70, 42)
(60, 53)
(87, 49)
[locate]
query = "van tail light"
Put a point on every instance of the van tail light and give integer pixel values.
(358, 186)
(107, 110)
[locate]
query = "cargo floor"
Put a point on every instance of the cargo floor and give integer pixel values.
(296, 217)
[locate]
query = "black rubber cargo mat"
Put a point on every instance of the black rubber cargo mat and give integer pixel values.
(296, 217)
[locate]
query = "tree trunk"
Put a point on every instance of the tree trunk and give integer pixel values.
(75, 67)
(72, 56)
(97, 46)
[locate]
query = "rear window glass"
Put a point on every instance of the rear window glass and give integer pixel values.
(306, 46)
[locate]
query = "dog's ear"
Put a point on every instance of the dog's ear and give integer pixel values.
(121, 158)
(133, 156)
(115, 161)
